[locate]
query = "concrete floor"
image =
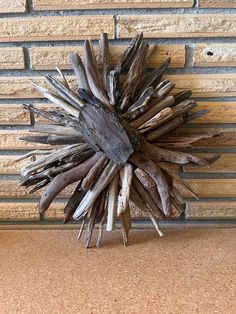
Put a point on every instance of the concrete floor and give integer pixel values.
(186, 271)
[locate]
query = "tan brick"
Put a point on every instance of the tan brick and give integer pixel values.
(11, 58)
(216, 210)
(8, 6)
(202, 85)
(177, 25)
(55, 28)
(10, 140)
(9, 166)
(217, 4)
(108, 4)
(19, 212)
(219, 112)
(211, 187)
(14, 114)
(225, 164)
(48, 57)
(210, 55)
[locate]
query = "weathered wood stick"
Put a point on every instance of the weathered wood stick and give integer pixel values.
(102, 216)
(53, 139)
(182, 96)
(112, 202)
(79, 70)
(140, 106)
(113, 88)
(165, 128)
(67, 94)
(153, 78)
(129, 54)
(126, 174)
(158, 154)
(55, 129)
(81, 228)
(94, 173)
(39, 186)
(147, 197)
(64, 179)
(57, 100)
(93, 76)
(63, 78)
(166, 102)
(58, 154)
(33, 153)
(157, 120)
(125, 218)
(157, 175)
(73, 203)
(138, 201)
(108, 173)
(196, 115)
(151, 187)
(91, 223)
(104, 47)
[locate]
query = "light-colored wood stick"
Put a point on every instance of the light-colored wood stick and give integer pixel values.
(112, 202)
(126, 174)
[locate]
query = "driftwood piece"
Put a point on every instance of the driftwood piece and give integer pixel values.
(112, 202)
(156, 174)
(94, 173)
(80, 72)
(166, 102)
(108, 173)
(113, 88)
(64, 179)
(73, 203)
(105, 54)
(125, 218)
(126, 174)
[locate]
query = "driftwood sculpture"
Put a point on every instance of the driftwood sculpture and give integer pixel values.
(116, 135)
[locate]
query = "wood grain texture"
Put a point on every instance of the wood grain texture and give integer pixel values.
(204, 187)
(19, 211)
(177, 25)
(108, 4)
(217, 4)
(219, 112)
(225, 164)
(211, 210)
(215, 55)
(202, 85)
(55, 28)
(43, 58)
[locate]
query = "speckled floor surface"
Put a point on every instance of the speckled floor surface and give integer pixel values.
(186, 271)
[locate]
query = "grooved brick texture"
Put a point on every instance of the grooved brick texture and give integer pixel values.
(218, 3)
(55, 28)
(177, 25)
(12, 6)
(108, 4)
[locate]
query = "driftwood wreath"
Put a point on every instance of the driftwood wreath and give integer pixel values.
(116, 135)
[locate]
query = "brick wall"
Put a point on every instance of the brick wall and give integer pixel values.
(198, 35)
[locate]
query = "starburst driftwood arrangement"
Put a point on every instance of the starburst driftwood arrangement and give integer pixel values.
(115, 133)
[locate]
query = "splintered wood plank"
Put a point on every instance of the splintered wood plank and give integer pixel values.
(11, 189)
(215, 55)
(108, 4)
(43, 58)
(211, 210)
(19, 211)
(225, 164)
(219, 112)
(211, 187)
